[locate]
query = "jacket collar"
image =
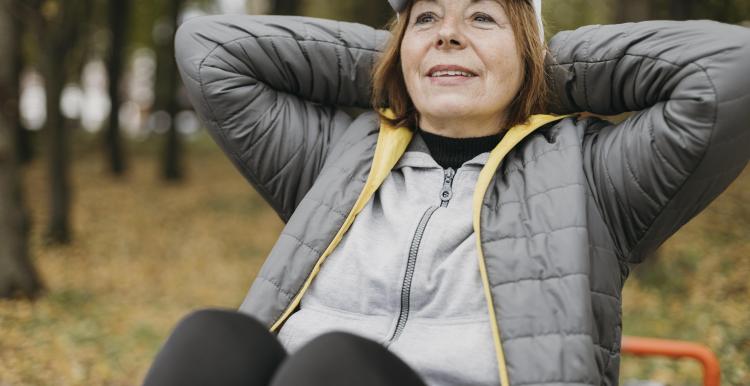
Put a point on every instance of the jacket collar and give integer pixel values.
(417, 155)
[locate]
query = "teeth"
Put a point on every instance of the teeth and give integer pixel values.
(451, 73)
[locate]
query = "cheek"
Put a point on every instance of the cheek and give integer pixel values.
(407, 53)
(410, 62)
(506, 66)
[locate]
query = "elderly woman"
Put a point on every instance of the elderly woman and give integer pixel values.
(453, 234)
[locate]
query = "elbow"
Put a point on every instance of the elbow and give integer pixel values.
(192, 46)
(184, 47)
(743, 41)
(730, 137)
(732, 84)
(738, 55)
(189, 46)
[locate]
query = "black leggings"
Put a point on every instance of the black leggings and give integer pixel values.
(227, 348)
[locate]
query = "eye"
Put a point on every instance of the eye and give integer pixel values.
(424, 18)
(483, 17)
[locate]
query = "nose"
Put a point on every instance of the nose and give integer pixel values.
(449, 35)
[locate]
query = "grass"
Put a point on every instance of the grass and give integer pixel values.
(698, 289)
(146, 253)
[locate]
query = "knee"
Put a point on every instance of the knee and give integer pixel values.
(225, 330)
(201, 320)
(340, 358)
(208, 320)
(210, 342)
(344, 344)
(211, 317)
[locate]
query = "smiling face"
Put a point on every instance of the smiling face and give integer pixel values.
(460, 63)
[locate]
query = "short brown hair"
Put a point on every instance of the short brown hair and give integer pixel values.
(389, 86)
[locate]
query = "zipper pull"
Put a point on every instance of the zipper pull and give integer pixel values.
(447, 192)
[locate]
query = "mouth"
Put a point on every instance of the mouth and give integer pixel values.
(444, 71)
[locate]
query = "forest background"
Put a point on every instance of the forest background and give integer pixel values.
(115, 225)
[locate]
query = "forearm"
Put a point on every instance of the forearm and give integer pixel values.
(319, 60)
(268, 90)
(690, 136)
(611, 69)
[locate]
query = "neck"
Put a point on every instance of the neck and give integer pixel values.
(454, 152)
(463, 126)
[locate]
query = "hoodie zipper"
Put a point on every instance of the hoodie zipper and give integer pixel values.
(392, 142)
(446, 193)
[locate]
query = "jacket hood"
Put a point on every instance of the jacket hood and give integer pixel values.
(400, 5)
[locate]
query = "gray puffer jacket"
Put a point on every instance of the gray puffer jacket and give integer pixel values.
(562, 205)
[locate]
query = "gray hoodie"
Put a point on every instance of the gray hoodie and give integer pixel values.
(406, 275)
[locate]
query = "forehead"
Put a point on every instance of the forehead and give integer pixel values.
(471, 2)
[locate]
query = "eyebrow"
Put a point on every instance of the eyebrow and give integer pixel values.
(472, 1)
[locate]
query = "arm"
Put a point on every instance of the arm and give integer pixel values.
(690, 83)
(268, 87)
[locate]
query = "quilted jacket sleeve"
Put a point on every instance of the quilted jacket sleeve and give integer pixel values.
(690, 137)
(268, 90)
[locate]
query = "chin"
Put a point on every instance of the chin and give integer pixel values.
(449, 109)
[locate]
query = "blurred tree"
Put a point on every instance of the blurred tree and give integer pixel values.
(562, 15)
(24, 150)
(142, 20)
(634, 10)
(166, 86)
(60, 25)
(286, 7)
(17, 274)
(682, 9)
(373, 13)
(119, 13)
(728, 11)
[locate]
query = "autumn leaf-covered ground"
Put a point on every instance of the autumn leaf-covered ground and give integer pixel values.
(146, 253)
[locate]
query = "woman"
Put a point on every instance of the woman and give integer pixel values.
(453, 234)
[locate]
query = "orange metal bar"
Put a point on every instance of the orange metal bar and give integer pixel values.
(676, 349)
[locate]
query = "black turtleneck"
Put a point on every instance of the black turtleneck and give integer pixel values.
(453, 152)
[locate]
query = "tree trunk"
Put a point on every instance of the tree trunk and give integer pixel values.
(166, 94)
(17, 275)
(633, 10)
(24, 151)
(681, 9)
(59, 34)
(373, 13)
(58, 229)
(286, 7)
(119, 12)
